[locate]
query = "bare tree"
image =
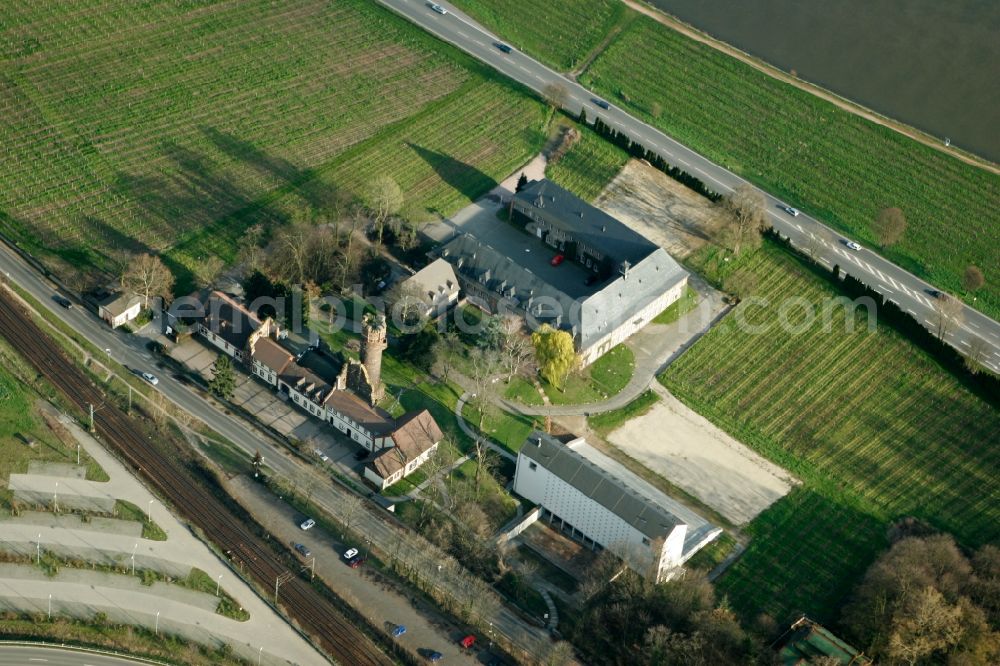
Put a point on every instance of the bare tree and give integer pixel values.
(147, 276)
(251, 249)
(208, 270)
(743, 217)
(948, 311)
(972, 278)
(485, 364)
(889, 226)
(516, 349)
(291, 250)
(556, 95)
(406, 303)
(350, 506)
(384, 198)
(974, 357)
(350, 254)
(486, 461)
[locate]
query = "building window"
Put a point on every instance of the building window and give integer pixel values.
(532, 466)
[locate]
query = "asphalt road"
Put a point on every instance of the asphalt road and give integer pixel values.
(908, 291)
(25, 655)
(129, 350)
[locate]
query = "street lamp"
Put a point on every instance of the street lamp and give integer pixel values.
(133, 558)
(218, 583)
(38, 549)
(50, 607)
(156, 627)
(260, 653)
(149, 507)
(108, 351)
(55, 498)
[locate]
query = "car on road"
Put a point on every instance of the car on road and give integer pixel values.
(558, 259)
(437, 8)
(350, 553)
(791, 211)
(150, 377)
(302, 550)
(503, 47)
(308, 524)
(851, 245)
(63, 301)
(601, 103)
(398, 630)
(322, 456)
(934, 293)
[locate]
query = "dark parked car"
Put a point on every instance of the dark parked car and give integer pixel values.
(356, 561)
(303, 550)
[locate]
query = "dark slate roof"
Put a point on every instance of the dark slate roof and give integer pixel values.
(599, 485)
(586, 223)
(229, 320)
(615, 301)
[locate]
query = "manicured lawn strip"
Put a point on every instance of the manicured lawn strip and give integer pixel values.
(822, 159)
(560, 33)
(680, 307)
(589, 165)
(605, 422)
(606, 377)
(508, 430)
(875, 428)
(523, 391)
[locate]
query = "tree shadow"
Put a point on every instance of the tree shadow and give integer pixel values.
(467, 179)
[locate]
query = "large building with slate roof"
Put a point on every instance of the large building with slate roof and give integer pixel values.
(624, 279)
(588, 497)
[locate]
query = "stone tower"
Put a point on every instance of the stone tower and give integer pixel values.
(373, 342)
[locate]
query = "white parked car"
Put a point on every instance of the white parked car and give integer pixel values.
(151, 378)
(350, 553)
(322, 456)
(308, 524)
(851, 245)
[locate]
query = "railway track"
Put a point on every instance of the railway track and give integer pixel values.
(316, 615)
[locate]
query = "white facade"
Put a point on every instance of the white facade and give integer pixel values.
(579, 511)
(127, 315)
(632, 326)
(411, 466)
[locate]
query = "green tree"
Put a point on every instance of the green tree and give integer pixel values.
(420, 348)
(555, 354)
(257, 285)
(223, 382)
(522, 183)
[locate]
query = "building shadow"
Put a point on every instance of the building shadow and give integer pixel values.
(465, 178)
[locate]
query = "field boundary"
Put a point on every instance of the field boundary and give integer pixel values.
(844, 103)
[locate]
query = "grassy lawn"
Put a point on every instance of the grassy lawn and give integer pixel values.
(713, 554)
(678, 308)
(27, 436)
(150, 530)
(589, 165)
(174, 127)
(508, 430)
(493, 499)
(824, 160)
(605, 422)
(523, 391)
(605, 377)
(560, 33)
(874, 427)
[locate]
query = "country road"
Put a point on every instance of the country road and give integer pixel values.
(830, 247)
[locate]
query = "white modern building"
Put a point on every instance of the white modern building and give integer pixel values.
(118, 308)
(591, 498)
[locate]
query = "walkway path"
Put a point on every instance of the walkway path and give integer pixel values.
(180, 551)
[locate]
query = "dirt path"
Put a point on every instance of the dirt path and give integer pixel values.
(841, 102)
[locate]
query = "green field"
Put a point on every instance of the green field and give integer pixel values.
(588, 166)
(560, 33)
(826, 161)
(174, 126)
(874, 427)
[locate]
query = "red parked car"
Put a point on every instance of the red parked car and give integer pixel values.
(468, 641)
(558, 259)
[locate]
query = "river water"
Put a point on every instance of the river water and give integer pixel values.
(934, 64)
